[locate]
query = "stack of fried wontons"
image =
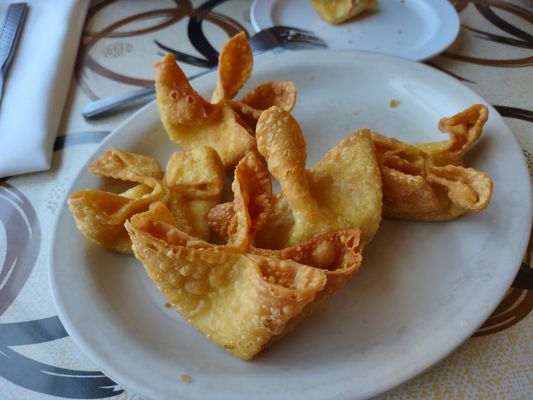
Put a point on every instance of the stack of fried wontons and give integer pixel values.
(284, 253)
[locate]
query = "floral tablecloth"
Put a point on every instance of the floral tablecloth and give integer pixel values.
(493, 55)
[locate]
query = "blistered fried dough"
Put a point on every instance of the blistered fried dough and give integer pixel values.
(202, 285)
(279, 93)
(238, 221)
(252, 202)
(343, 191)
(195, 179)
(347, 182)
(241, 300)
(219, 219)
(415, 188)
(226, 125)
(254, 182)
(337, 253)
(191, 121)
(467, 188)
(100, 215)
(280, 141)
(464, 130)
(234, 68)
(274, 93)
(179, 104)
(406, 194)
(197, 173)
(125, 166)
(248, 115)
(241, 297)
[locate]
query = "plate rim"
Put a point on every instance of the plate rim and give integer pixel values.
(453, 25)
(401, 378)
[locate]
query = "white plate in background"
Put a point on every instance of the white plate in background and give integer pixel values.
(413, 29)
(423, 288)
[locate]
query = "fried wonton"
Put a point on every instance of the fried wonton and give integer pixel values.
(100, 215)
(464, 130)
(338, 11)
(191, 186)
(274, 93)
(191, 121)
(342, 191)
(223, 124)
(195, 180)
(428, 181)
(241, 297)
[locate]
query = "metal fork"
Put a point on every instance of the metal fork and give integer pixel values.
(267, 39)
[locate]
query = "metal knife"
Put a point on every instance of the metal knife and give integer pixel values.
(9, 36)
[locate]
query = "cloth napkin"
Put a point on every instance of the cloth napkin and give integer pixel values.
(37, 83)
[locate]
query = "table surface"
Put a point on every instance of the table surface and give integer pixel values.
(492, 55)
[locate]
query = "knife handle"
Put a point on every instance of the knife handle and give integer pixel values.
(10, 33)
(9, 36)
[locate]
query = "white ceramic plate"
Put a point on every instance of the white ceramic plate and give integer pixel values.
(423, 288)
(414, 29)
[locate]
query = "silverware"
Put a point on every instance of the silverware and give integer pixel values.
(267, 39)
(9, 36)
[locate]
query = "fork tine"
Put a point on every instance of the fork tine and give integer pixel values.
(288, 34)
(306, 39)
(306, 42)
(290, 28)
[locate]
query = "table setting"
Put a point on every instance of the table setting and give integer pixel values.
(439, 303)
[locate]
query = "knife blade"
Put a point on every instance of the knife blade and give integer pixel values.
(9, 36)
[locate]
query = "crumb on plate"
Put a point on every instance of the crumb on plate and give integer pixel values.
(394, 103)
(186, 378)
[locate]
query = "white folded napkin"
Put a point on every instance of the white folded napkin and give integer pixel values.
(37, 84)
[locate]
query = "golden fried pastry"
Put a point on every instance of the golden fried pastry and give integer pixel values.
(191, 187)
(223, 124)
(274, 93)
(427, 181)
(337, 11)
(100, 215)
(464, 129)
(236, 53)
(238, 221)
(191, 121)
(239, 296)
(347, 182)
(195, 179)
(342, 191)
